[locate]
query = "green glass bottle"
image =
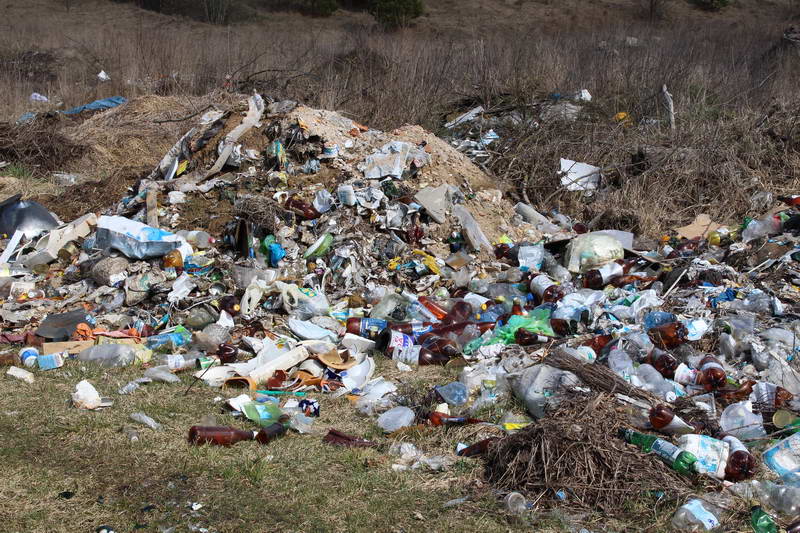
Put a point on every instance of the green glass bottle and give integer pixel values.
(761, 521)
(679, 460)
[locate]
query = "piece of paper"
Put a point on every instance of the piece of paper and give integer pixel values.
(700, 227)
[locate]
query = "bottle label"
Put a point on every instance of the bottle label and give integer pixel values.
(408, 355)
(711, 454)
(370, 327)
(666, 450)
(541, 283)
(418, 329)
(610, 271)
(695, 507)
(175, 361)
(735, 444)
(710, 365)
(677, 426)
(399, 340)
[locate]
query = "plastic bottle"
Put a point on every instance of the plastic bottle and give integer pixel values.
(301, 208)
(145, 420)
(173, 259)
(711, 375)
(460, 311)
(440, 419)
(679, 460)
(654, 382)
(369, 328)
(554, 269)
(696, 515)
(664, 419)
(546, 289)
(662, 361)
(219, 435)
(761, 521)
(391, 307)
(438, 311)
(439, 345)
(479, 448)
(782, 498)
(669, 336)
(199, 239)
(741, 463)
(108, 355)
(757, 229)
(600, 277)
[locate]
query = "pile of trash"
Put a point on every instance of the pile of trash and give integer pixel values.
(665, 368)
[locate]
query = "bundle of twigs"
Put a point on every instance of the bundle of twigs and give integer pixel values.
(575, 454)
(36, 146)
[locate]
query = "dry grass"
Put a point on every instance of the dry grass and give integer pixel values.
(725, 76)
(297, 483)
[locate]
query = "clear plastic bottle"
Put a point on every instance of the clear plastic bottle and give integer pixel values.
(391, 307)
(108, 355)
(782, 498)
(199, 239)
(696, 515)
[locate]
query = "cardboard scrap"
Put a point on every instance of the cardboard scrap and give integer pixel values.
(700, 227)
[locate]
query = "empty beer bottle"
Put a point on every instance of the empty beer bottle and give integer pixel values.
(523, 337)
(664, 419)
(219, 435)
(301, 208)
(440, 419)
(439, 345)
(710, 374)
(662, 361)
(679, 460)
(479, 448)
(600, 277)
(461, 311)
(741, 463)
(273, 431)
(546, 289)
(669, 336)
(368, 328)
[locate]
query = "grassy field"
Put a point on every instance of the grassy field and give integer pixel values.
(51, 450)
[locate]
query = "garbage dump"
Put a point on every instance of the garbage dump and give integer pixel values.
(668, 373)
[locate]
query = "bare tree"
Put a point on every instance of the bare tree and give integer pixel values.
(217, 11)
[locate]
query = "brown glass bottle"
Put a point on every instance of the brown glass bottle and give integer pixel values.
(301, 208)
(668, 336)
(368, 328)
(440, 419)
(710, 374)
(662, 361)
(218, 435)
(227, 353)
(459, 328)
(599, 342)
(563, 327)
(479, 448)
(600, 277)
(664, 419)
(230, 304)
(546, 289)
(273, 431)
(741, 464)
(418, 355)
(460, 312)
(633, 279)
(437, 344)
(523, 337)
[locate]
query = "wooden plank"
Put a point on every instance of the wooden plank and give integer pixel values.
(152, 207)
